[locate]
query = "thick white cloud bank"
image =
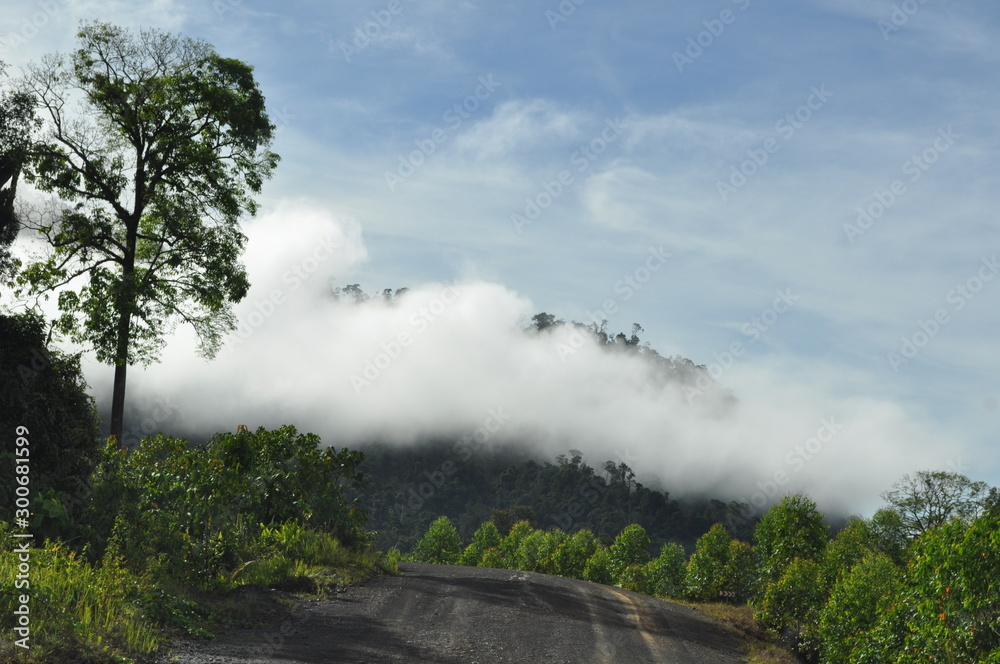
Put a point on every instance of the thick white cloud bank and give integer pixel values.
(453, 359)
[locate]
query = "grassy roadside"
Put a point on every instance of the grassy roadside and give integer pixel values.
(760, 647)
(101, 614)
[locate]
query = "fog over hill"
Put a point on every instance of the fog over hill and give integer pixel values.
(455, 360)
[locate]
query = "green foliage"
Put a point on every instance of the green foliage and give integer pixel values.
(441, 544)
(631, 547)
(666, 571)
(742, 570)
(598, 567)
(17, 124)
(568, 494)
(707, 568)
(493, 557)
(954, 581)
(44, 391)
(194, 513)
(75, 608)
(510, 545)
(505, 519)
(888, 534)
(485, 538)
(791, 605)
(635, 577)
(863, 595)
(573, 553)
(791, 529)
(930, 498)
(529, 555)
(548, 550)
(851, 545)
(164, 158)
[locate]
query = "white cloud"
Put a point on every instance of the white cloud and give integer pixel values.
(440, 359)
(519, 125)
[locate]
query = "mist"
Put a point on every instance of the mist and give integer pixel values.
(453, 359)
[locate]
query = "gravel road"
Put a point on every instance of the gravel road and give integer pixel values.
(472, 615)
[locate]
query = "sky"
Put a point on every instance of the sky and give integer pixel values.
(798, 195)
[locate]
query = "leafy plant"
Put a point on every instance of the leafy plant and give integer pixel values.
(791, 529)
(442, 544)
(707, 568)
(631, 547)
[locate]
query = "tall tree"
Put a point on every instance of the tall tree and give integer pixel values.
(928, 499)
(791, 529)
(17, 122)
(164, 158)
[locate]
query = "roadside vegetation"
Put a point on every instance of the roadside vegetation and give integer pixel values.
(918, 582)
(176, 540)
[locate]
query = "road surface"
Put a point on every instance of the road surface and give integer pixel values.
(471, 615)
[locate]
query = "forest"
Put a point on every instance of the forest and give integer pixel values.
(112, 550)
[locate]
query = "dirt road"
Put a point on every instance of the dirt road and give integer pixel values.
(470, 615)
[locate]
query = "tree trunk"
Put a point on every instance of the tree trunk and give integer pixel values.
(126, 299)
(121, 366)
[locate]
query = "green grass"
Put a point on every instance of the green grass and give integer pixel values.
(99, 614)
(76, 610)
(758, 642)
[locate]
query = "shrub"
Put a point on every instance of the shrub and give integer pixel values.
(790, 606)
(486, 537)
(635, 578)
(857, 602)
(573, 552)
(742, 570)
(666, 572)
(75, 608)
(493, 557)
(44, 391)
(791, 529)
(953, 579)
(598, 567)
(707, 568)
(510, 545)
(441, 544)
(193, 514)
(631, 547)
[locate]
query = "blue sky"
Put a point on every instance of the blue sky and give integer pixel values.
(747, 140)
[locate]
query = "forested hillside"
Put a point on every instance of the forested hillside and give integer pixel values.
(412, 486)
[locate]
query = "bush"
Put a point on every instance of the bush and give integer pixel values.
(486, 537)
(851, 545)
(193, 514)
(548, 551)
(493, 557)
(856, 604)
(441, 544)
(44, 391)
(574, 552)
(510, 545)
(742, 570)
(598, 567)
(631, 547)
(953, 579)
(707, 568)
(791, 529)
(635, 578)
(666, 572)
(529, 552)
(791, 605)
